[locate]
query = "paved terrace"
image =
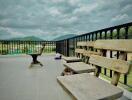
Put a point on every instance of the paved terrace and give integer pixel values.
(19, 82)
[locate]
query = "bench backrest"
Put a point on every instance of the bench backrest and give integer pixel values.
(88, 53)
(41, 50)
(115, 45)
(86, 44)
(79, 51)
(82, 46)
(119, 66)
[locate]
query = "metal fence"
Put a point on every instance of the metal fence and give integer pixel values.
(124, 31)
(21, 47)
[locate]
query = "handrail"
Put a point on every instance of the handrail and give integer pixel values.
(104, 29)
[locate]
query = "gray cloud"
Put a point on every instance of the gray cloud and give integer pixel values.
(51, 18)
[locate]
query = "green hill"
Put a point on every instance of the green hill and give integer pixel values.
(28, 38)
(64, 37)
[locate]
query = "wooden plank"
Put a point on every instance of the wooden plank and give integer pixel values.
(80, 67)
(88, 44)
(79, 51)
(89, 87)
(117, 45)
(89, 53)
(117, 65)
(81, 43)
(116, 75)
(71, 59)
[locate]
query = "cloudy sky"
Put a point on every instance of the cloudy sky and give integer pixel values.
(51, 18)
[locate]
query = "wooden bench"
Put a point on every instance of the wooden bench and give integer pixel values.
(81, 67)
(35, 55)
(90, 87)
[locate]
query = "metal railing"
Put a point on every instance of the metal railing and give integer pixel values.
(124, 31)
(21, 47)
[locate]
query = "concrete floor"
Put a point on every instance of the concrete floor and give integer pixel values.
(19, 82)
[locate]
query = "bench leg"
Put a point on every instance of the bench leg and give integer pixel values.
(67, 71)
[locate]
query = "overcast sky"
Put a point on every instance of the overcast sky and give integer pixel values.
(51, 18)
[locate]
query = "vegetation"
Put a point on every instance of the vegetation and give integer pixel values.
(28, 38)
(115, 35)
(129, 79)
(24, 48)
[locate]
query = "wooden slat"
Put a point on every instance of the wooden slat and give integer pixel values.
(79, 51)
(89, 53)
(80, 67)
(88, 44)
(117, 65)
(81, 43)
(117, 45)
(71, 59)
(89, 87)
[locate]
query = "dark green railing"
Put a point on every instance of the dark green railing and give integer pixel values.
(21, 47)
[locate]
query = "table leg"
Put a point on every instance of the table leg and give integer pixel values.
(35, 61)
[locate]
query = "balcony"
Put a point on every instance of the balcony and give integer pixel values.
(19, 82)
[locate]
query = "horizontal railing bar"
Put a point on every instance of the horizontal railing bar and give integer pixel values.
(24, 41)
(102, 30)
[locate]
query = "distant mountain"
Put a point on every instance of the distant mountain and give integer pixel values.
(28, 38)
(64, 37)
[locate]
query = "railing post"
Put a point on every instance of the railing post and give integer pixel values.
(126, 37)
(111, 35)
(56, 46)
(1, 47)
(67, 47)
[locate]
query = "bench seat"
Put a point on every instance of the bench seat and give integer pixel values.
(80, 67)
(72, 59)
(88, 87)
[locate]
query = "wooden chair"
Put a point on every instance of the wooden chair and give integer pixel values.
(85, 86)
(35, 55)
(81, 67)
